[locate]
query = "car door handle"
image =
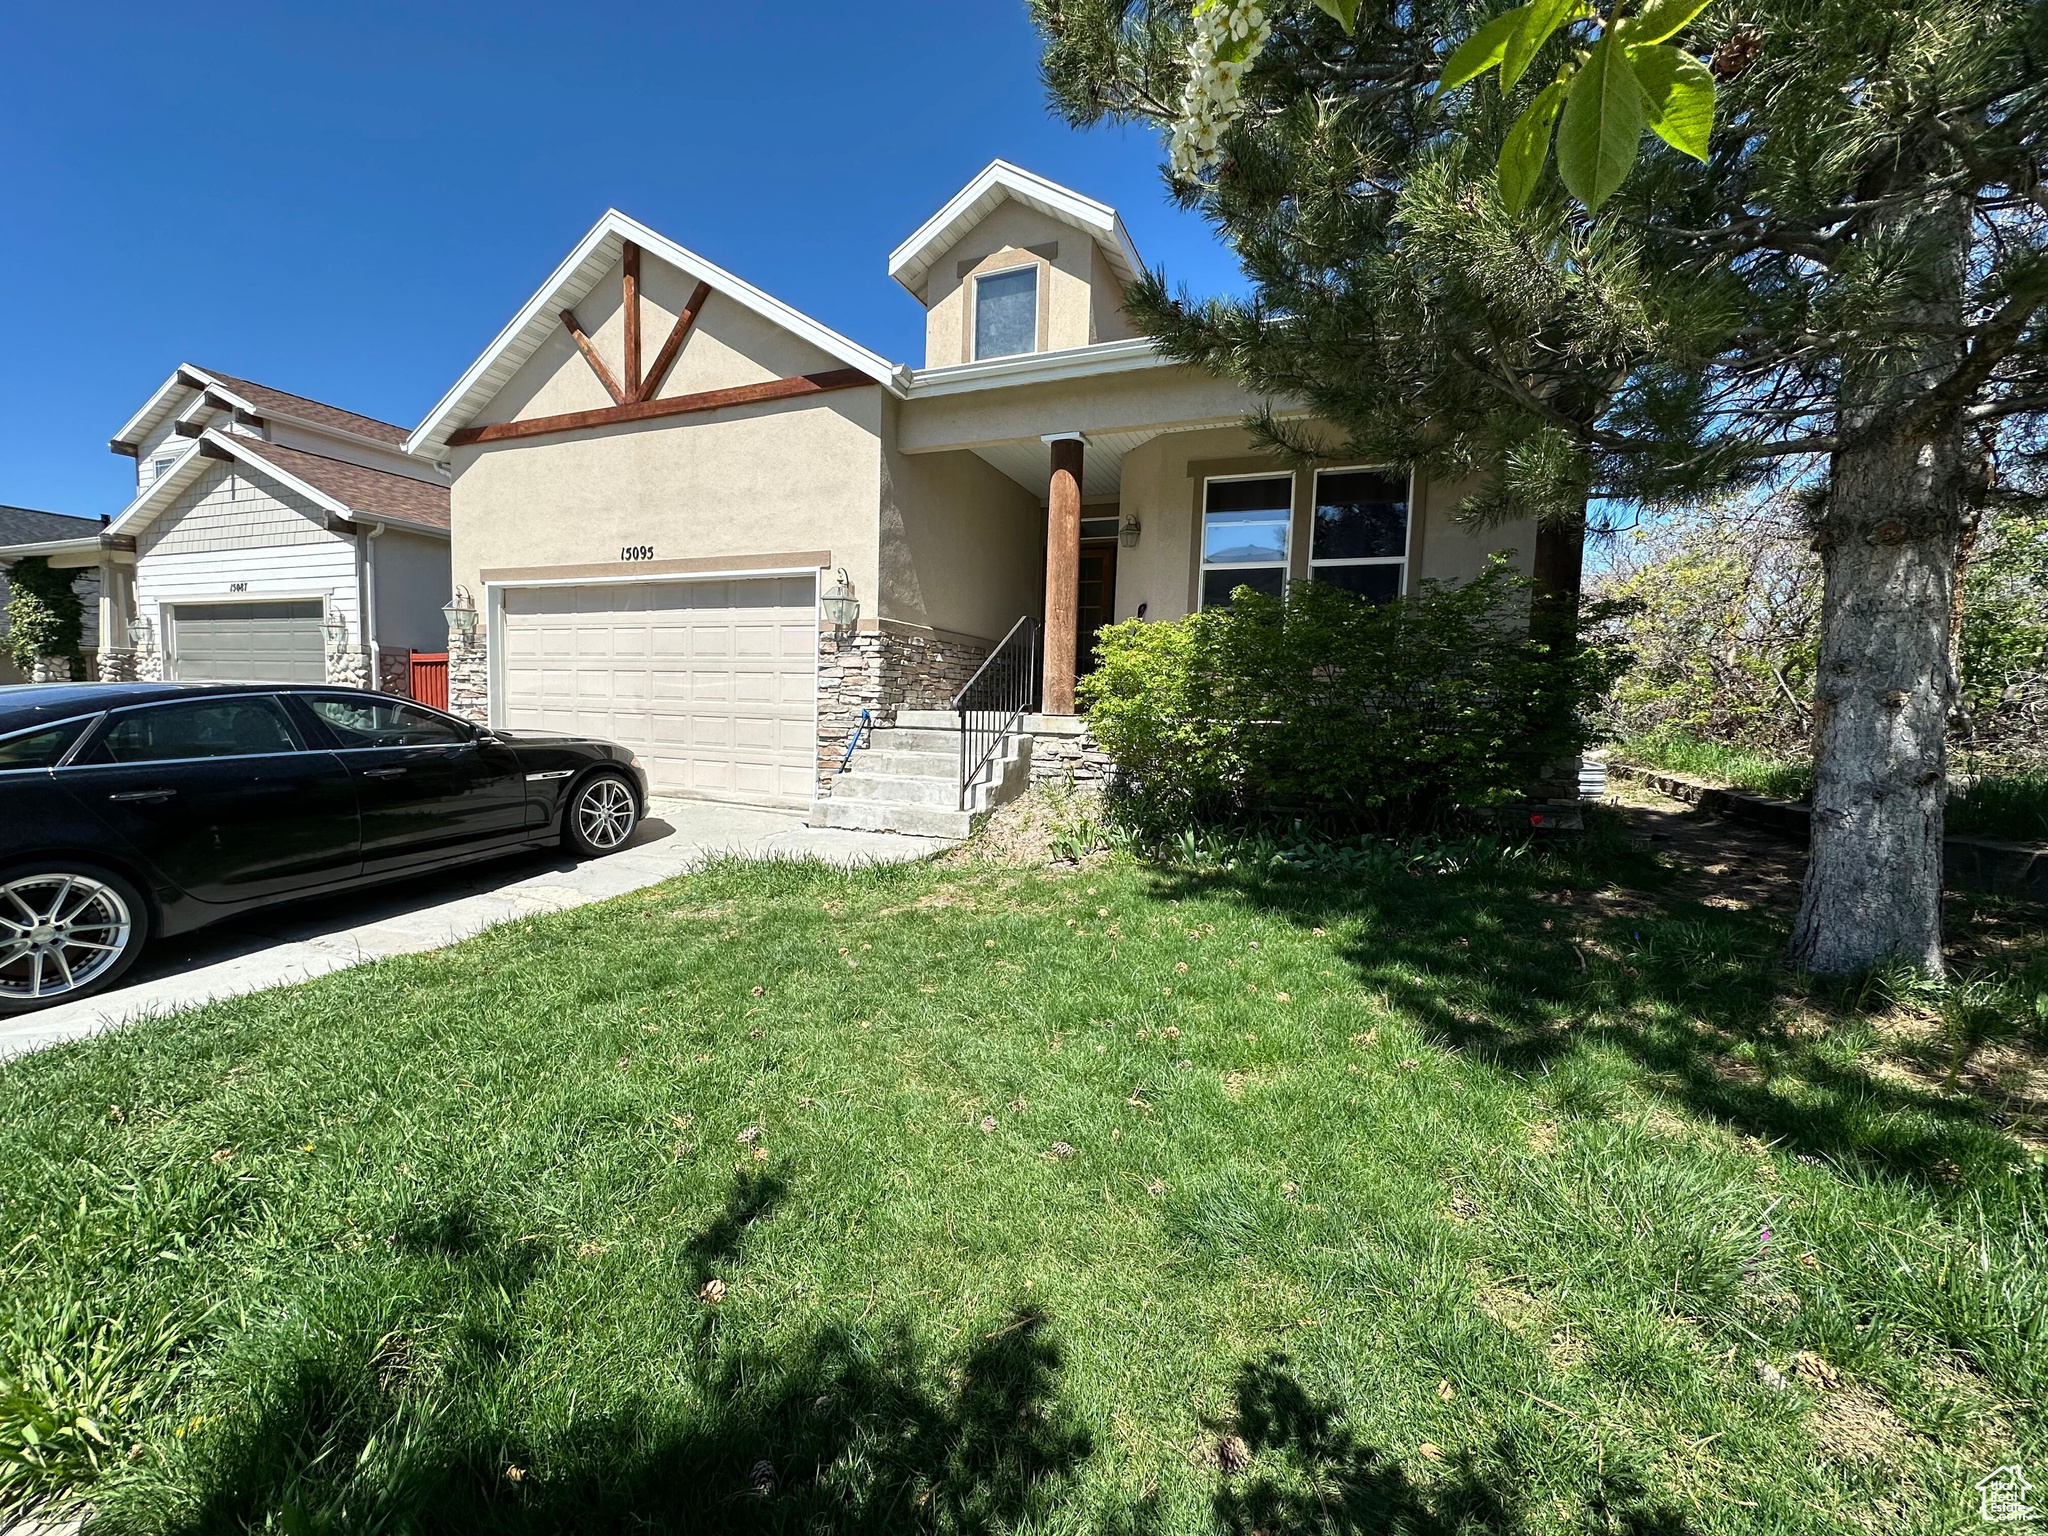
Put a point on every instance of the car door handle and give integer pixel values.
(141, 796)
(383, 773)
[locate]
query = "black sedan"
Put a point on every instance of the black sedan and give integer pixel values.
(133, 810)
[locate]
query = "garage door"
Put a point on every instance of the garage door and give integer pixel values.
(712, 683)
(248, 643)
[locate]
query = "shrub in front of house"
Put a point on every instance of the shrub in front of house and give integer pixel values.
(1383, 716)
(45, 617)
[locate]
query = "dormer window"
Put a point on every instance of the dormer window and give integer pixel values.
(1006, 313)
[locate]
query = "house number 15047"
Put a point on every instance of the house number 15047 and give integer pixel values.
(637, 552)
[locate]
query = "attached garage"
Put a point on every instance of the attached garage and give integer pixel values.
(246, 642)
(712, 683)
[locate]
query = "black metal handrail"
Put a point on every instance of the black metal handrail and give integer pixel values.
(1000, 693)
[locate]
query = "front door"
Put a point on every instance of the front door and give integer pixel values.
(1094, 602)
(222, 797)
(426, 785)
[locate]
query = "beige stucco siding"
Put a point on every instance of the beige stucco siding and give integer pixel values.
(748, 480)
(1077, 307)
(729, 345)
(1162, 488)
(1134, 400)
(963, 546)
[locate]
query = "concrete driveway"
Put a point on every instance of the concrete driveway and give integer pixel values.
(293, 943)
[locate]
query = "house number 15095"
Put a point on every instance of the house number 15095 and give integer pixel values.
(637, 552)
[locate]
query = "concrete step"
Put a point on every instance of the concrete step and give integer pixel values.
(906, 765)
(913, 820)
(893, 789)
(899, 738)
(929, 719)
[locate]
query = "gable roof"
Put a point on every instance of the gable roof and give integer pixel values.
(277, 402)
(595, 254)
(255, 399)
(911, 262)
(25, 525)
(348, 491)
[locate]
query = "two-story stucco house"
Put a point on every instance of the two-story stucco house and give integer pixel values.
(271, 538)
(658, 472)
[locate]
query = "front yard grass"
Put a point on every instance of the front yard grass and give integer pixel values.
(1518, 1195)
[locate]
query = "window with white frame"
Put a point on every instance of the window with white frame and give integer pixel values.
(1244, 535)
(1006, 312)
(160, 467)
(1359, 538)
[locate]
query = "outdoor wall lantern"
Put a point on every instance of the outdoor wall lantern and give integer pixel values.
(841, 607)
(139, 631)
(335, 629)
(460, 614)
(1128, 534)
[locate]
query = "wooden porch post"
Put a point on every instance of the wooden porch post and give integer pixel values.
(1062, 571)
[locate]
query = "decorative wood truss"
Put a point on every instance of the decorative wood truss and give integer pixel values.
(634, 399)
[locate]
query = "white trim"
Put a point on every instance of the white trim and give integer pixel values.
(1102, 357)
(746, 573)
(249, 451)
(1404, 559)
(167, 607)
(911, 262)
(573, 279)
(1204, 565)
(1039, 296)
(88, 545)
(133, 430)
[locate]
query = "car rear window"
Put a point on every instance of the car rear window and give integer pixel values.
(41, 746)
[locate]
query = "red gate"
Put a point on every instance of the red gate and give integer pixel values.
(430, 678)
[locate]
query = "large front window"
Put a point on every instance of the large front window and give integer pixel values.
(1244, 535)
(1360, 541)
(1006, 313)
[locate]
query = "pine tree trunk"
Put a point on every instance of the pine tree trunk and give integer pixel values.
(1884, 683)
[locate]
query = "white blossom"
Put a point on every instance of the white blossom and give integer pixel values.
(1228, 36)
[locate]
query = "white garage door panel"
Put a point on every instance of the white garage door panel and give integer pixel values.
(712, 683)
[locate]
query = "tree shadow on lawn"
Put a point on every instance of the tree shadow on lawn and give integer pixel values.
(1525, 964)
(1307, 1470)
(847, 1428)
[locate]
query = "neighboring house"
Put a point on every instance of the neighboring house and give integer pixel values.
(658, 468)
(272, 538)
(52, 535)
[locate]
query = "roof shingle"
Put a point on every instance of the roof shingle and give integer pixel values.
(372, 493)
(24, 525)
(286, 404)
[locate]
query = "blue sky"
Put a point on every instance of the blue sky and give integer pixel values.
(348, 200)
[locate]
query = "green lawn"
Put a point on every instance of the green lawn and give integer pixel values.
(1113, 1200)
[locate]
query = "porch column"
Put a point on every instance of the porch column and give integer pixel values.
(1062, 571)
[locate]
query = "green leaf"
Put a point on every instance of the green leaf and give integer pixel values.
(1482, 50)
(1540, 18)
(1678, 96)
(1346, 11)
(1603, 120)
(1661, 19)
(1528, 146)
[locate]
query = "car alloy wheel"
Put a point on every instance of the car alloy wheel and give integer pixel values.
(605, 813)
(59, 933)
